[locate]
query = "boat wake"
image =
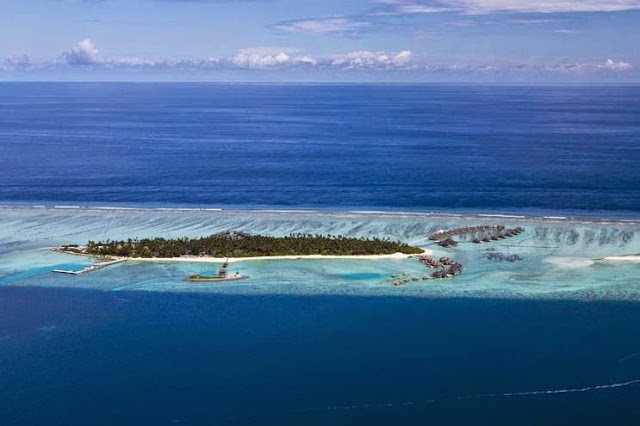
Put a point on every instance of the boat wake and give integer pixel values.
(545, 392)
(495, 395)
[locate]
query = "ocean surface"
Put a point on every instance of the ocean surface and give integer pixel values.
(476, 148)
(551, 338)
(78, 357)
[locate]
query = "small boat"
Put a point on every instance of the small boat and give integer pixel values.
(205, 278)
(221, 277)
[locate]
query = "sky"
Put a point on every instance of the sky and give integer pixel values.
(498, 41)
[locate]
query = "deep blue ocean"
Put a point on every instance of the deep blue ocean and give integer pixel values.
(564, 149)
(95, 357)
(79, 357)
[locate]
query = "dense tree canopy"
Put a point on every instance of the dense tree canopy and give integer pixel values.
(250, 245)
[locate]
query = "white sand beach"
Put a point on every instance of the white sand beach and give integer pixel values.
(206, 259)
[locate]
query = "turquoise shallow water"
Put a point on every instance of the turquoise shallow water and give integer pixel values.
(558, 256)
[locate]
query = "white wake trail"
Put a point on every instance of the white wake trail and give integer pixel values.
(480, 396)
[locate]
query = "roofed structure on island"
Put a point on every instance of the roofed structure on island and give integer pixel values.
(232, 235)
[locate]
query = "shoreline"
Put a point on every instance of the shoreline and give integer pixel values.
(557, 217)
(208, 259)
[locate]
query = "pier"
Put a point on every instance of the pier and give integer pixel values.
(444, 235)
(509, 233)
(94, 267)
(489, 233)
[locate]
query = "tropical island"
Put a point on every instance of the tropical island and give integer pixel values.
(242, 245)
(233, 246)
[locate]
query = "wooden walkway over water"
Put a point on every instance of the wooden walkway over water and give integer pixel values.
(94, 267)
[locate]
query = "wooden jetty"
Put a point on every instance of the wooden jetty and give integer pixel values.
(487, 234)
(445, 234)
(508, 233)
(94, 267)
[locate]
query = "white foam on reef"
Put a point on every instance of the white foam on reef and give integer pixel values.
(622, 258)
(570, 262)
(67, 207)
(115, 208)
(385, 213)
(557, 256)
(284, 211)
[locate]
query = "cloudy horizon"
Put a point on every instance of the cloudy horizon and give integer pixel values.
(280, 40)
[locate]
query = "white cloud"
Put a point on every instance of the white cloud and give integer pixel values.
(327, 25)
(369, 59)
(511, 6)
(566, 31)
(403, 57)
(408, 7)
(286, 58)
(533, 21)
(17, 62)
(612, 65)
(497, 68)
(310, 60)
(83, 53)
(609, 66)
(263, 57)
(260, 58)
(132, 62)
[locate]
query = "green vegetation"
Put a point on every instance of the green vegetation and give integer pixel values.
(250, 245)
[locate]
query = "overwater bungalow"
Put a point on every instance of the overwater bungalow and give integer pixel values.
(447, 243)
